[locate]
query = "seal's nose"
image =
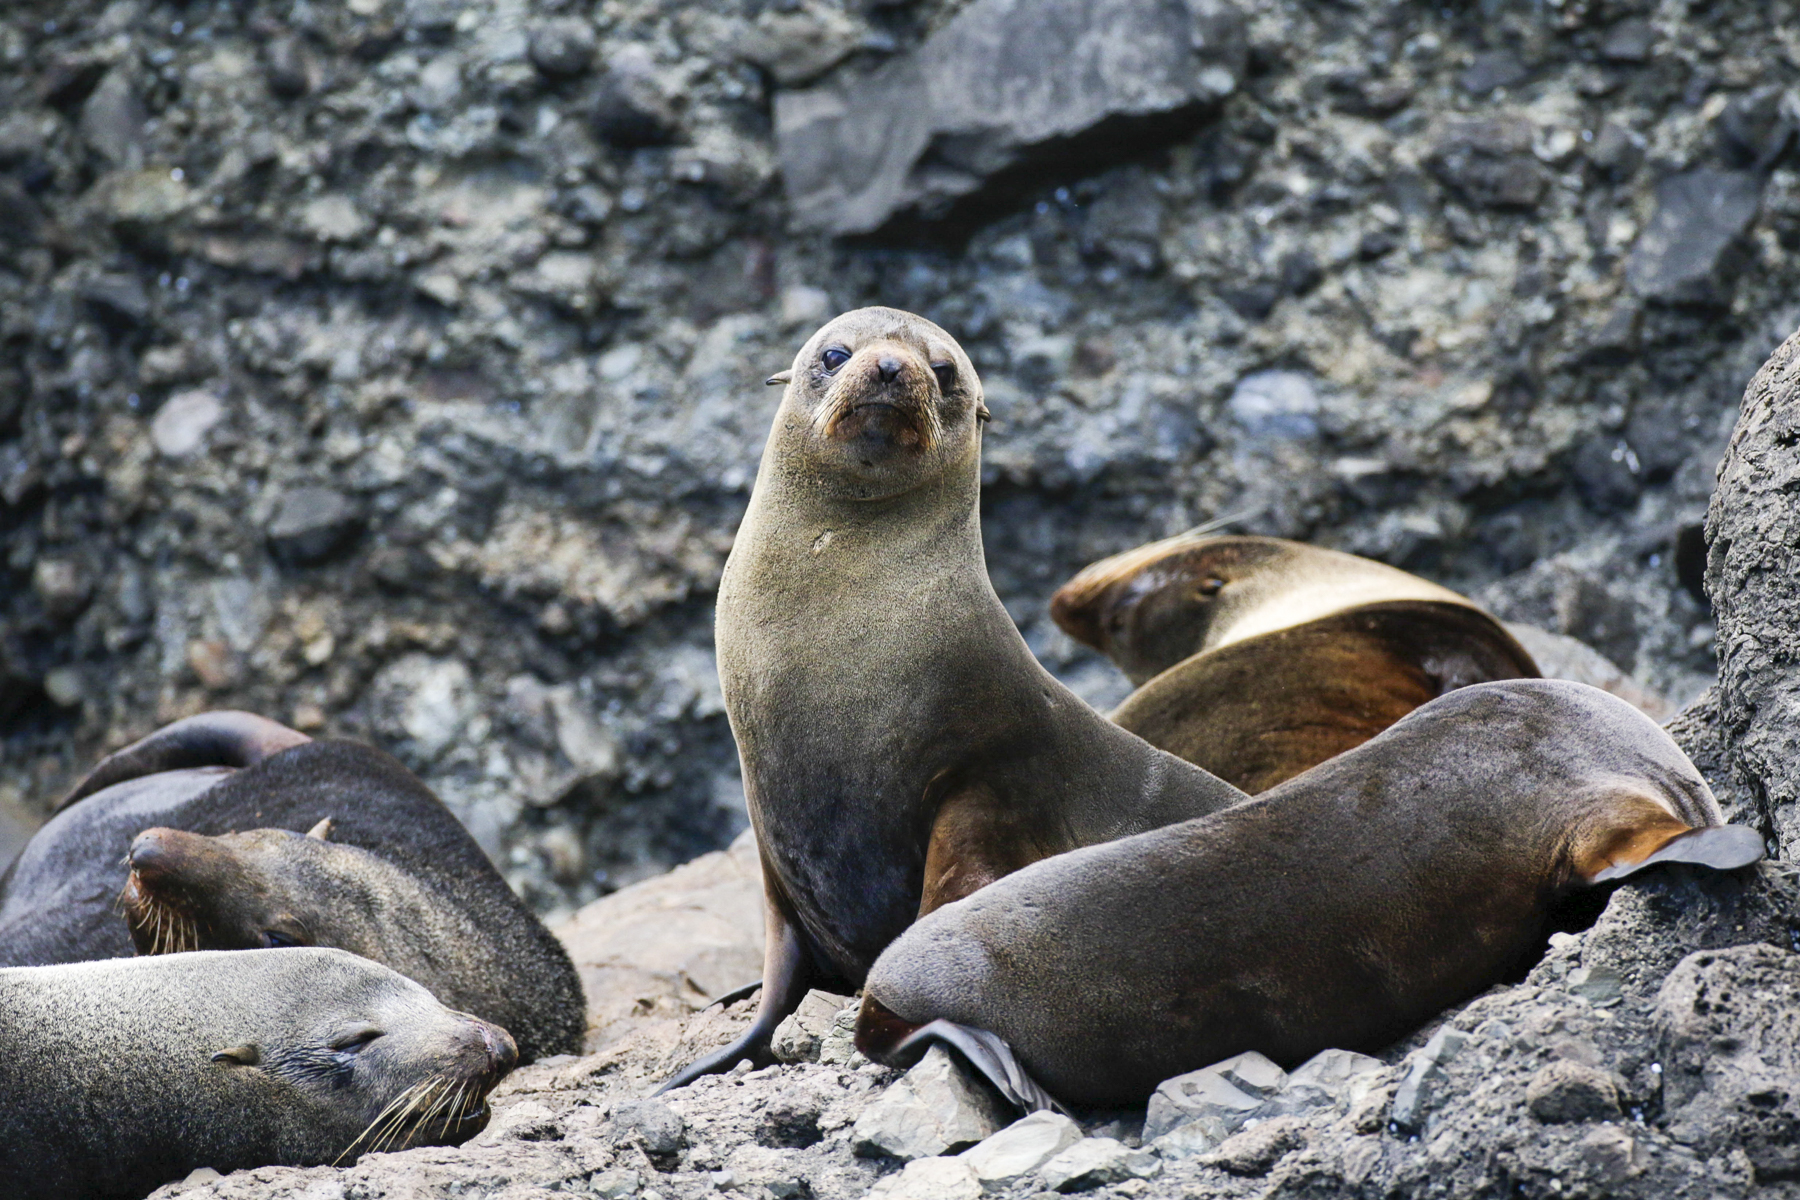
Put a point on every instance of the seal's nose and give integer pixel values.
(500, 1047)
(889, 366)
(153, 854)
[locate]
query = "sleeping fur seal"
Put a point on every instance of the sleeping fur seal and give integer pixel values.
(118, 1076)
(1258, 712)
(268, 888)
(1149, 608)
(400, 875)
(900, 745)
(1199, 622)
(1343, 908)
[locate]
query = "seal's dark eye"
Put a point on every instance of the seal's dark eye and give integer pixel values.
(351, 1043)
(834, 357)
(946, 375)
(275, 941)
(1212, 585)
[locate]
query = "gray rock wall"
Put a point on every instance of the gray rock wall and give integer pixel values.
(392, 367)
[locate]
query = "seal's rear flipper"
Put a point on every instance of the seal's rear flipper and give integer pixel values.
(989, 1054)
(1722, 847)
(214, 739)
(787, 973)
(742, 992)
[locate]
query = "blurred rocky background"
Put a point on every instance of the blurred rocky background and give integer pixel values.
(393, 367)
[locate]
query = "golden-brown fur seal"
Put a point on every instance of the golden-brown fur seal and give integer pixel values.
(1149, 608)
(1226, 684)
(1342, 908)
(120, 1075)
(900, 745)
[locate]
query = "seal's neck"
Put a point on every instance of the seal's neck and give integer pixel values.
(801, 545)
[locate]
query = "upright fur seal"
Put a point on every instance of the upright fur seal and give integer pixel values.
(121, 1075)
(900, 745)
(1260, 657)
(400, 876)
(1342, 908)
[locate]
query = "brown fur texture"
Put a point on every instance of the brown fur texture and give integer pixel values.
(269, 888)
(1342, 908)
(121, 1075)
(1259, 711)
(1149, 608)
(886, 709)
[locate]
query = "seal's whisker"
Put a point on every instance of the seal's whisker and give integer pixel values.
(381, 1117)
(441, 1111)
(408, 1123)
(401, 1136)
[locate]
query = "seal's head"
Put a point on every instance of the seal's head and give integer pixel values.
(273, 888)
(373, 1059)
(1149, 608)
(878, 402)
(383, 1065)
(1153, 606)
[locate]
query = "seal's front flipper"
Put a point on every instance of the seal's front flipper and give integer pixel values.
(1722, 847)
(787, 973)
(976, 839)
(214, 739)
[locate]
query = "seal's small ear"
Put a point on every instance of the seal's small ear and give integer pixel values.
(321, 831)
(780, 377)
(981, 412)
(239, 1056)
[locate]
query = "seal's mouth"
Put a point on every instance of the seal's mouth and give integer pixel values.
(438, 1110)
(883, 421)
(157, 924)
(882, 400)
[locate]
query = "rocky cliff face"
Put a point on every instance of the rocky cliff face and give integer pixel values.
(393, 367)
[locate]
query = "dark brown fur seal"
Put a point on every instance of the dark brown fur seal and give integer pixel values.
(1343, 908)
(900, 745)
(401, 876)
(121, 1075)
(1259, 657)
(271, 888)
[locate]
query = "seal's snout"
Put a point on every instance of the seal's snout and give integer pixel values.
(883, 397)
(156, 854)
(156, 900)
(503, 1052)
(492, 1049)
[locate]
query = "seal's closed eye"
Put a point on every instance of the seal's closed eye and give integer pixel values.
(239, 1056)
(350, 1043)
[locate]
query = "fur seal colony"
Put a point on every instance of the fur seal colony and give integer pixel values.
(400, 879)
(901, 747)
(118, 1076)
(1342, 908)
(1260, 657)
